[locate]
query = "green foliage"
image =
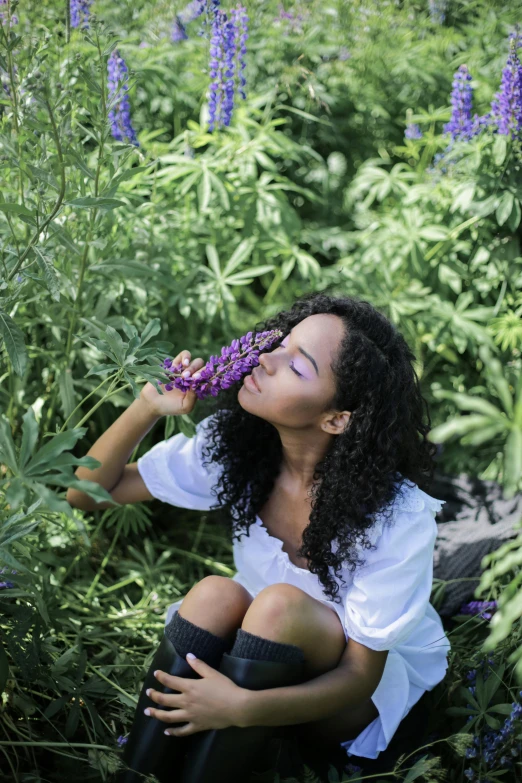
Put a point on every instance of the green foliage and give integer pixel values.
(191, 238)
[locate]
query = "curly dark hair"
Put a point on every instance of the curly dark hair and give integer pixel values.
(384, 444)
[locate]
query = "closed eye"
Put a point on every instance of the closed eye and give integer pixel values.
(291, 365)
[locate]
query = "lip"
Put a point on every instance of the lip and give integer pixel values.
(255, 379)
(251, 384)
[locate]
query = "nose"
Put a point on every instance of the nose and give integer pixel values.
(265, 362)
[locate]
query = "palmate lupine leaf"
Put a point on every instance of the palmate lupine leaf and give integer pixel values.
(32, 473)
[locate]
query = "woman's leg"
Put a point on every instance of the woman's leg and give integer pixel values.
(217, 604)
(284, 613)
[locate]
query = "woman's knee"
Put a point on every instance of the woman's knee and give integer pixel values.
(285, 613)
(216, 603)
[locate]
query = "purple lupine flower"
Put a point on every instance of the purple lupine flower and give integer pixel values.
(80, 10)
(6, 16)
(227, 51)
(221, 372)
(119, 115)
(479, 607)
(6, 585)
(191, 11)
(460, 123)
(413, 131)
(122, 740)
(438, 10)
(178, 32)
(506, 107)
(344, 54)
(216, 68)
(230, 51)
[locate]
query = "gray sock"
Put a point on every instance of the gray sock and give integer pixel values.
(189, 637)
(248, 645)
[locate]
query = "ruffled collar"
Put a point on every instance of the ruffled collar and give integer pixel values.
(409, 498)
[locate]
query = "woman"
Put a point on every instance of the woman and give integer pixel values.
(327, 625)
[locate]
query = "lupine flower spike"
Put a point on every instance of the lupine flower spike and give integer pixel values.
(221, 372)
(119, 115)
(506, 107)
(227, 63)
(178, 32)
(80, 10)
(413, 131)
(7, 18)
(483, 608)
(460, 123)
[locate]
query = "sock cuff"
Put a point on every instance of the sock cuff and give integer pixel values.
(189, 637)
(248, 645)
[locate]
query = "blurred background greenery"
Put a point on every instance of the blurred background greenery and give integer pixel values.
(191, 238)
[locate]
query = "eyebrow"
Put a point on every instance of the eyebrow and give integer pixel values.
(311, 358)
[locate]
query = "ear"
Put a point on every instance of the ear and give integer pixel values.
(339, 423)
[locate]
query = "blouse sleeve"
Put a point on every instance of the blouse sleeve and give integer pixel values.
(390, 593)
(173, 471)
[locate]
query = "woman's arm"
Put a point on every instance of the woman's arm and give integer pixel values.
(113, 448)
(350, 684)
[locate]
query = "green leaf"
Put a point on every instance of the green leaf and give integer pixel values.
(240, 254)
(15, 495)
(95, 202)
(514, 218)
(51, 278)
(15, 209)
(92, 489)
(457, 426)
(220, 190)
(204, 191)
(58, 443)
(505, 207)
(213, 259)
(502, 709)
(513, 460)
(68, 395)
(152, 328)
(116, 343)
(7, 446)
(14, 343)
(29, 437)
(499, 149)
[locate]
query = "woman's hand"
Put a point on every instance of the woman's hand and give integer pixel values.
(175, 401)
(213, 702)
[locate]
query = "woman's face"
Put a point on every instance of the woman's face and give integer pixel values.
(295, 379)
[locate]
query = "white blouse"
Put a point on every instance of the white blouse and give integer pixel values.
(385, 603)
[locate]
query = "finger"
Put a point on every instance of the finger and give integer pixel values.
(182, 731)
(167, 716)
(183, 358)
(193, 367)
(167, 699)
(171, 681)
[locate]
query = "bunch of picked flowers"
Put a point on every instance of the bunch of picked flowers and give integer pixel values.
(220, 372)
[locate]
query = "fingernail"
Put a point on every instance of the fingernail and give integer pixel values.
(191, 656)
(185, 362)
(148, 691)
(167, 732)
(196, 375)
(185, 373)
(155, 673)
(147, 712)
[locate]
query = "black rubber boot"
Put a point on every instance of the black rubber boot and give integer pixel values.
(229, 755)
(148, 750)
